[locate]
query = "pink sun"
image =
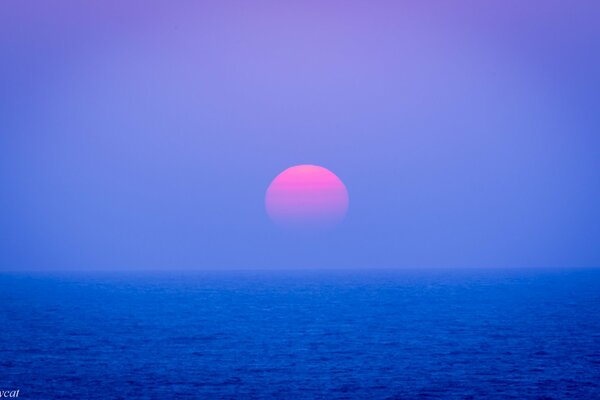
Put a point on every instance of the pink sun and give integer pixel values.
(307, 196)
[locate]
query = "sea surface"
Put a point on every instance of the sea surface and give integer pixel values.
(468, 334)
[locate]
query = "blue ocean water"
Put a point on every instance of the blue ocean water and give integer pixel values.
(301, 335)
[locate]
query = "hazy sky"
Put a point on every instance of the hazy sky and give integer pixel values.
(145, 136)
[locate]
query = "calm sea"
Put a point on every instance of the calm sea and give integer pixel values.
(301, 335)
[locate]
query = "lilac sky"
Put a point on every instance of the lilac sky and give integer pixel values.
(137, 136)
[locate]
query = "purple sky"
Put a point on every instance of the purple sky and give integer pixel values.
(136, 136)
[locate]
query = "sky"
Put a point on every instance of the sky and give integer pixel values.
(144, 136)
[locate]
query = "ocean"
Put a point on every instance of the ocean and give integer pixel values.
(447, 334)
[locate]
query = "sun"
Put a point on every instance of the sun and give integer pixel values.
(307, 196)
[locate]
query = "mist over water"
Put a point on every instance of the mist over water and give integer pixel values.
(521, 334)
(149, 137)
(145, 137)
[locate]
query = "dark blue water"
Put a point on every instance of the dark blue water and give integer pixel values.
(295, 335)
